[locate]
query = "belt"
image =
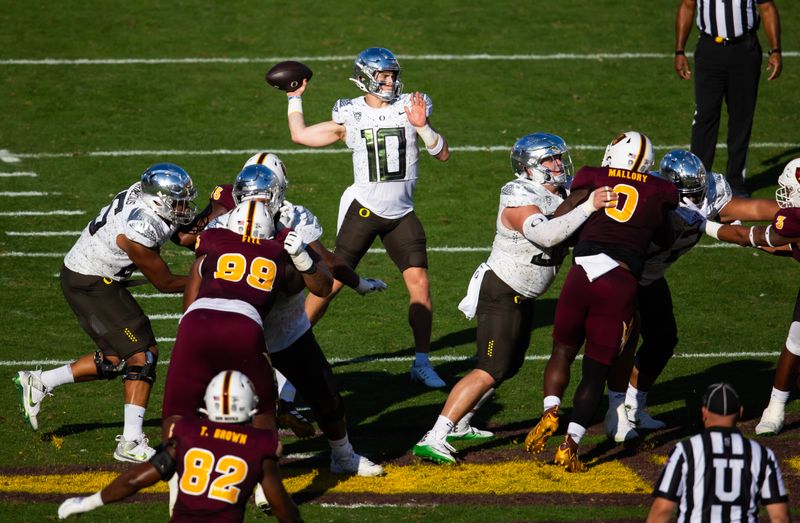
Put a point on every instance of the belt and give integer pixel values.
(721, 40)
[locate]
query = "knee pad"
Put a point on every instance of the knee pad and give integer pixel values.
(146, 372)
(793, 339)
(106, 370)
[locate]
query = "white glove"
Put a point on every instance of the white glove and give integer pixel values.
(287, 211)
(367, 285)
(297, 251)
(78, 505)
(691, 213)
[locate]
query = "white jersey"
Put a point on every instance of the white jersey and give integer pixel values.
(385, 153)
(686, 227)
(522, 265)
(96, 252)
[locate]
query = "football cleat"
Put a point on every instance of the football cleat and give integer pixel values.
(771, 420)
(31, 394)
(617, 425)
(355, 464)
(538, 436)
(431, 448)
(426, 375)
(567, 456)
(134, 451)
(468, 432)
(289, 418)
(642, 419)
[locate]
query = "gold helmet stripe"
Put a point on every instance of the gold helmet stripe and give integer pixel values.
(226, 386)
(262, 157)
(251, 214)
(640, 154)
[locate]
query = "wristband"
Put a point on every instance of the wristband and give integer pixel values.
(712, 229)
(588, 206)
(752, 242)
(295, 105)
(302, 261)
(766, 235)
(680, 53)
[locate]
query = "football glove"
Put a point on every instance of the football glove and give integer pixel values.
(78, 505)
(367, 285)
(297, 251)
(287, 211)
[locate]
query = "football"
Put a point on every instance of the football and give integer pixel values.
(288, 76)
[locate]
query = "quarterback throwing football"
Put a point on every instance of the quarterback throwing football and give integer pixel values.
(381, 128)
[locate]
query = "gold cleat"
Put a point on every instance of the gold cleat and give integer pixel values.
(567, 456)
(547, 426)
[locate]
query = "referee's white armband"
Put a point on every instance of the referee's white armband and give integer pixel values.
(434, 143)
(547, 233)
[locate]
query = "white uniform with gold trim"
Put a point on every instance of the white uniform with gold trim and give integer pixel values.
(385, 154)
(96, 252)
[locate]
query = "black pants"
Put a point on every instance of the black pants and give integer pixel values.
(729, 72)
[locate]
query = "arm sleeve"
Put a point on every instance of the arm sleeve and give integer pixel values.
(547, 233)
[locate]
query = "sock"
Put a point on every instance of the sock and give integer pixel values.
(134, 419)
(341, 447)
(551, 401)
(172, 483)
(779, 396)
(635, 398)
(421, 359)
(59, 376)
(287, 392)
(442, 427)
(615, 399)
(576, 432)
(463, 423)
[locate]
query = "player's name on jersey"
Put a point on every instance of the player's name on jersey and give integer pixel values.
(622, 173)
(226, 435)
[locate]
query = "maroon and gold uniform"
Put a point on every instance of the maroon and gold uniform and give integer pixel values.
(222, 329)
(600, 309)
(219, 465)
(787, 223)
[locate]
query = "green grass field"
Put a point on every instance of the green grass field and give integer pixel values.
(133, 83)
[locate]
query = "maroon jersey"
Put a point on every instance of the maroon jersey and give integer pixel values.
(218, 466)
(787, 223)
(238, 267)
(624, 232)
(223, 195)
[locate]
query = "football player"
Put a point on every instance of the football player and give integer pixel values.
(597, 303)
(524, 261)
(712, 196)
(381, 128)
(219, 460)
(127, 234)
(783, 231)
(291, 343)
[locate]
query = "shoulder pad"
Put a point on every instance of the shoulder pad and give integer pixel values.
(428, 104)
(339, 108)
(223, 195)
(303, 222)
(146, 228)
(518, 193)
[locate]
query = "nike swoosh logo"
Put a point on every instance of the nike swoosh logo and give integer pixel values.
(30, 395)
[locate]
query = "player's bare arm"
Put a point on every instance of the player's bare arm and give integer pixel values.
(748, 236)
(317, 135)
(748, 209)
(152, 266)
(282, 505)
(193, 285)
(337, 267)
(416, 113)
(315, 275)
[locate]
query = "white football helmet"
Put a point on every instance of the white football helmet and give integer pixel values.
(788, 192)
(687, 173)
(251, 218)
(258, 181)
(168, 190)
(630, 150)
(368, 64)
(529, 153)
(230, 398)
(274, 164)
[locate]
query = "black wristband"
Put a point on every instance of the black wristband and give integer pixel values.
(680, 53)
(776, 50)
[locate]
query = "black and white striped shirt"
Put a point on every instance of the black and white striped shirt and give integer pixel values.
(719, 475)
(727, 18)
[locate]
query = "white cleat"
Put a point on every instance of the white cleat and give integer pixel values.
(642, 419)
(32, 392)
(427, 375)
(771, 421)
(355, 464)
(431, 448)
(617, 425)
(468, 432)
(134, 451)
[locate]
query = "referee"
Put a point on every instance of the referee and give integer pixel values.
(727, 63)
(719, 475)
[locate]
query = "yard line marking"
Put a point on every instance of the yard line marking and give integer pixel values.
(7, 157)
(344, 150)
(19, 254)
(157, 295)
(349, 58)
(407, 359)
(18, 174)
(42, 213)
(14, 194)
(43, 233)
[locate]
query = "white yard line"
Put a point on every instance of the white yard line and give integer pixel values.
(15, 194)
(18, 175)
(349, 58)
(41, 213)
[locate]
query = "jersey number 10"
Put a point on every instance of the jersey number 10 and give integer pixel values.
(376, 150)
